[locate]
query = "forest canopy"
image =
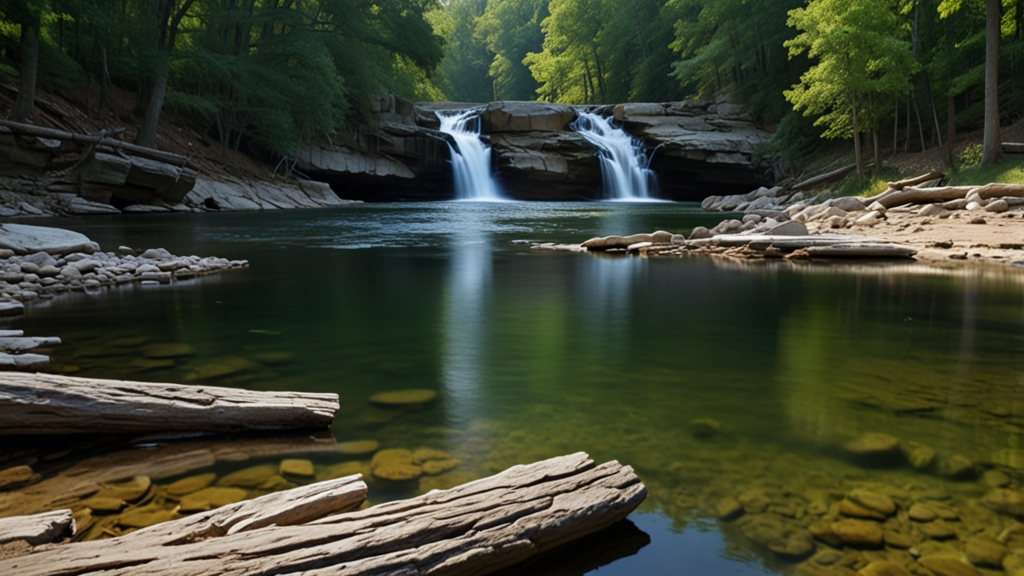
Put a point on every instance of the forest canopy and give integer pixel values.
(273, 73)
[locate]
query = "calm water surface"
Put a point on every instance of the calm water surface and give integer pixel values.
(536, 354)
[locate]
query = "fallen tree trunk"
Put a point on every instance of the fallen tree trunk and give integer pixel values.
(900, 185)
(824, 178)
(999, 190)
(923, 195)
(476, 528)
(152, 154)
(47, 404)
(38, 528)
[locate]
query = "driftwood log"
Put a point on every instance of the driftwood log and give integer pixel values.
(38, 528)
(48, 404)
(824, 178)
(142, 151)
(818, 246)
(900, 185)
(476, 528)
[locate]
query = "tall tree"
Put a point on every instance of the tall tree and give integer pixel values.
(862, 63)
(992, 142)
(27, 13)
(167, 16)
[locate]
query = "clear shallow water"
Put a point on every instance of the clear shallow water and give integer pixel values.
(536, 354)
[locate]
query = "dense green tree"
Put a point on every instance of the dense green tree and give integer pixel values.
(862, 66)
(511, 29)
(464, 71)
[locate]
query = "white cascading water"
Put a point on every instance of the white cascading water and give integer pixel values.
(624, 162)
(471, 157)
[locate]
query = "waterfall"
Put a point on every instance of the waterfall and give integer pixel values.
(624, 162)
(471, 157)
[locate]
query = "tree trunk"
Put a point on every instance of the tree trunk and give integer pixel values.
(950, 129)
(45, 404)
(858, 153)
(878, 149)
(22, 111)
(147, 131)
(993, 151)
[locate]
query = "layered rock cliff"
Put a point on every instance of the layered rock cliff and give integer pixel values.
(699, 149)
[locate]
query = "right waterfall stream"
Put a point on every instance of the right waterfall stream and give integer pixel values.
(625, 165)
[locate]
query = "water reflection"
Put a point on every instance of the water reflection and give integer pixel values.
(466, 319)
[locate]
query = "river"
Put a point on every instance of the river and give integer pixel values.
(713, 379)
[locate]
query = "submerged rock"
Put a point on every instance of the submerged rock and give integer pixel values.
(296, 467)
(403, 397)
(949, 567)
(358, 447)
(345, 469)
(16, 477)
(873, 445)
(145, 516)
(1004, 501)
(883, 568)
(170, 350)
(858, 533)
(706, 427)
(919, 456)
(248, 478)
(190, 484)
(957, 466)
(128, 490)
(395, 464)
(213, 497)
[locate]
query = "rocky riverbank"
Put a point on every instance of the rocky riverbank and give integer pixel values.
(947, 226)
(39, 262)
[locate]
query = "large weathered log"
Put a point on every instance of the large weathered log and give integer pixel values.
(476, 528)
(38, 528)
(49, 404)
(913, 195)
(151, 153)
(900, 185)
(998, 190)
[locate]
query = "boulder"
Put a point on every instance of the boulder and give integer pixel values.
(24, 239)
(848, 203)
(628, 110)
(547, 165)
(525, 117)
(790, 228)
(107, 169)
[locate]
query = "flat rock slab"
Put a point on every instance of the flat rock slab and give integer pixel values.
(50, 404)
(24, 239)
(22, 344)
(21, 362)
